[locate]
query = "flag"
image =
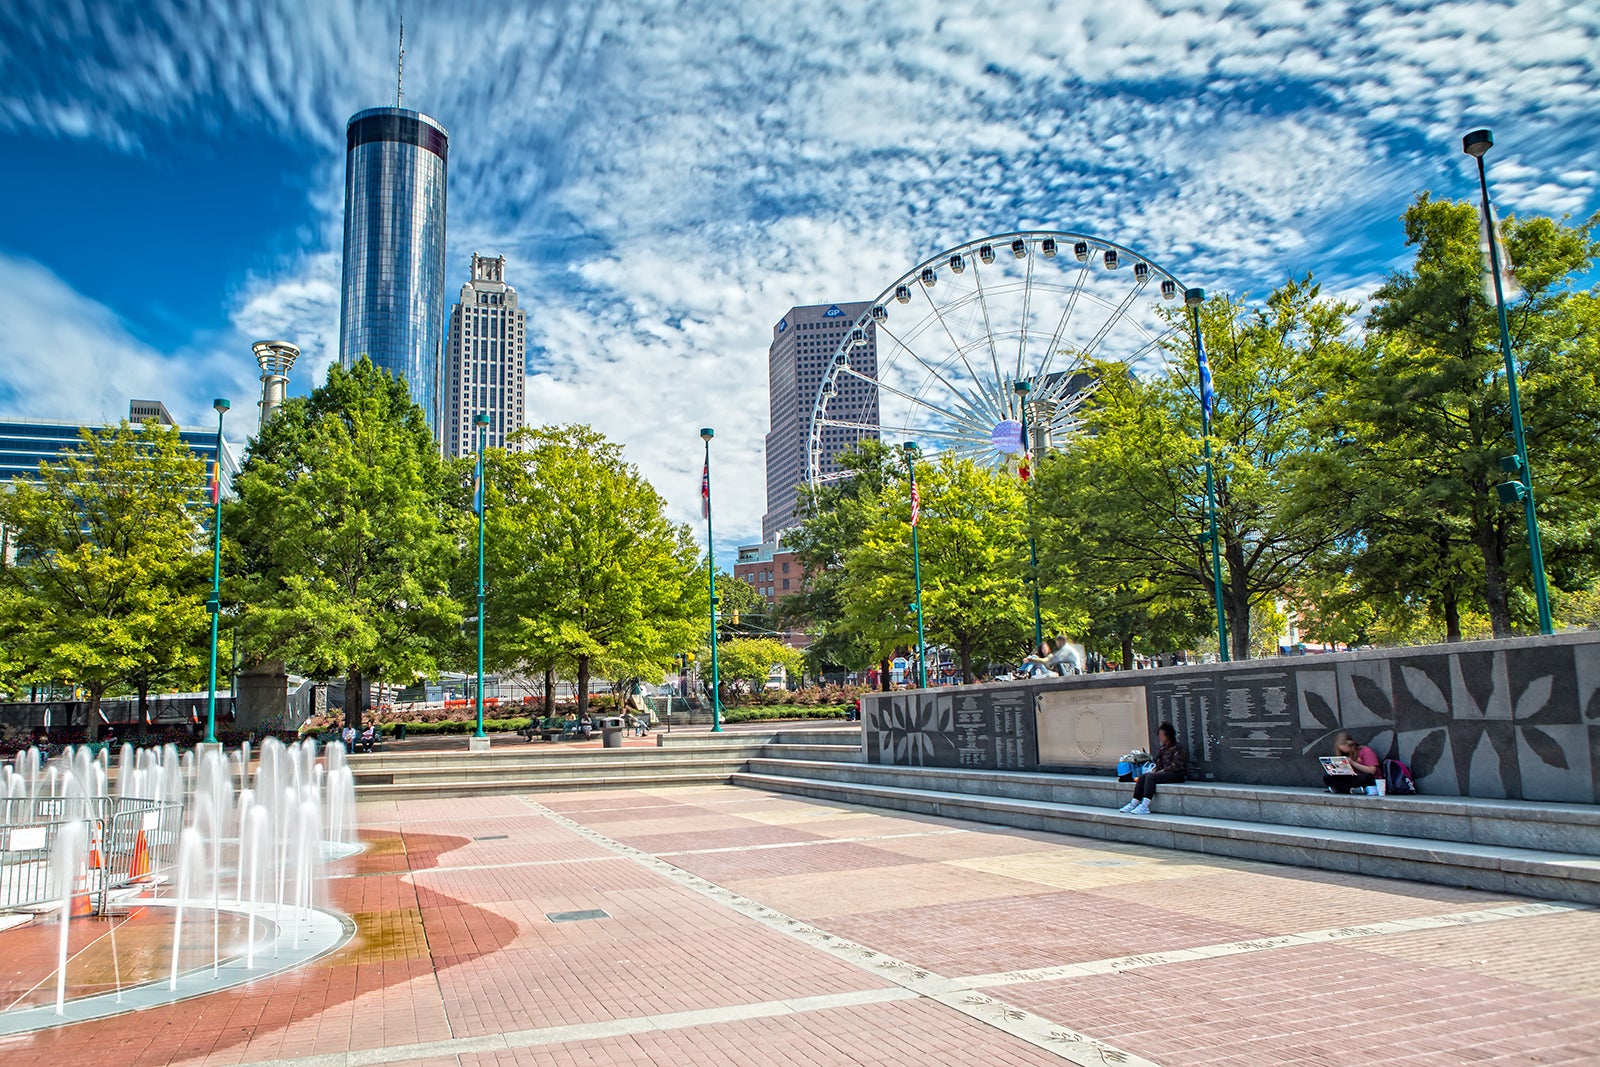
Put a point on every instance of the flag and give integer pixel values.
(916, 504)
(477, 487)
(1208, 395)
(216, 483)
(1508, 280)
(705, 491)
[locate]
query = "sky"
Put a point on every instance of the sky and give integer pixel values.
(667, 177)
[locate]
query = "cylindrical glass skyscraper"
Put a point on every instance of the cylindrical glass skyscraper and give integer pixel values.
(393, 306)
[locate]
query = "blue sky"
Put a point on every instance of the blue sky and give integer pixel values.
(667, 178)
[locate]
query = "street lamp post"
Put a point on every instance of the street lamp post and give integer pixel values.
(214, 605)
(706, 434)
(916, 567)
(1476, 144)
(1193, 298)
(1022, 389)
(480, 740)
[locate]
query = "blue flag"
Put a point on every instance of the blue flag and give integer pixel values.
(477, 487)
(1208, 395)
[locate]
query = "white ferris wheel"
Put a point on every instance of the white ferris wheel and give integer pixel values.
(974, 340)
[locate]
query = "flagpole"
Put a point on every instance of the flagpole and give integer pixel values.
(1475, 144)
(916, 566)
(214, 605)
(706, 434)
(479, 503)
(1194, 298)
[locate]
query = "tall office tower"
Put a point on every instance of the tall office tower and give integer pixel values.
(803, 342)
(393, 290)
(485, 372)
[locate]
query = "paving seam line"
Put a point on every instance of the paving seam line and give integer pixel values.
(557, 1035)
(1267, 944)
(1059, 1040)
(803, 844)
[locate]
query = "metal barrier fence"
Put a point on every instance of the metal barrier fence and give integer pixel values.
(127, 841)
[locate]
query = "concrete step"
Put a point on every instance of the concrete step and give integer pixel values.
(1571, 828)
(495, 786)
(847, 735)
(553, 769)
(1492, 868)
(829, 753)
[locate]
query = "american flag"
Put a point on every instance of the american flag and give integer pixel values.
(916, 504)
(705, 491)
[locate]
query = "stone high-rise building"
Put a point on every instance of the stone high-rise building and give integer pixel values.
(485, 370)
(803, 343)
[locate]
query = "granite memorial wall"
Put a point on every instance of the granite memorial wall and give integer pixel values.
(1517, 718)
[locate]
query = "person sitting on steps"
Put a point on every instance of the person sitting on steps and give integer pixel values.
(1363, 760)
(1172, 764)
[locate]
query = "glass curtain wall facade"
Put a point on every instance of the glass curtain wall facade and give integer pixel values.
(393, 299)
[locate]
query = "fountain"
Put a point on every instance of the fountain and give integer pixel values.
(218, 872)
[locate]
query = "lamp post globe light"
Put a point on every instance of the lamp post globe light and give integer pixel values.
(1520, 490)
(480, 740)
(1192, 299)
(910, 450)
(1022, 389)
(706, 434)
(214, 604)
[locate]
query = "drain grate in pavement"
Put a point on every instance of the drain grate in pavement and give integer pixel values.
(493, 837)
(575, 916)
(1105, 863)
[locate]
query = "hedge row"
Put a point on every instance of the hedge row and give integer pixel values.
(783, 711)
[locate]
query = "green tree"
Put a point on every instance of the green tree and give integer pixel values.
(583, 570)
(1139, 487)
(1420, 421)
(749, 660)
(833, 520)
(974, 550)
(107, 584)
(341, 537)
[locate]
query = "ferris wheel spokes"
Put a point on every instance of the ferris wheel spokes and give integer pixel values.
(954, 344)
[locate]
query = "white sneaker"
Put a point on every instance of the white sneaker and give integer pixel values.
(1143, 808)
(1128, 807)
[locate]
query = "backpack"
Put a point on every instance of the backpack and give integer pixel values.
(1397, 778)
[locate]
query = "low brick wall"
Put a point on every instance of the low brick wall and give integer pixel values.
(1518, 718)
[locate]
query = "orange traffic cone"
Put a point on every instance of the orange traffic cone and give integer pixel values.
(94, 848)
(80, 904)
(139, 865)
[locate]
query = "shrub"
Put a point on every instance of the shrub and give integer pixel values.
(764, 714)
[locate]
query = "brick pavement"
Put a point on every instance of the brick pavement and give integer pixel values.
(748, 928)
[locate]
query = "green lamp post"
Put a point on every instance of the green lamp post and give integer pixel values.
(214, 604)
(706, 434)
(478, 504)
(1520, 490)
(1193, 298)
(910, 450)
(1022, 389)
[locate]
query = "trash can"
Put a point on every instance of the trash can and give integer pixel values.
(611, 730)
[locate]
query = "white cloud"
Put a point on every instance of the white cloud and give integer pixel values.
(668, 178)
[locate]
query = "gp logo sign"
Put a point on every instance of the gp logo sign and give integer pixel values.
(833, 313)
(783, 324)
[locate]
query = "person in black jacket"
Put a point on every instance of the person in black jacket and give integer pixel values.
(1172, 764)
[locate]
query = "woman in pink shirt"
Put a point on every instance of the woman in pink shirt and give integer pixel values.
(1363, 760)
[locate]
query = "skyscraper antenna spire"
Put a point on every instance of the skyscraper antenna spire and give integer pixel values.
(400, 65)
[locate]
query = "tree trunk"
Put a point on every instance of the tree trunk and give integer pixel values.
(1492, 546)
(91, 731)
(144, 702)
(549, 692)
(885, 682)
(355, 691)
(965, 649)
(1452, 616)
(1127, 651)
(583, 686)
